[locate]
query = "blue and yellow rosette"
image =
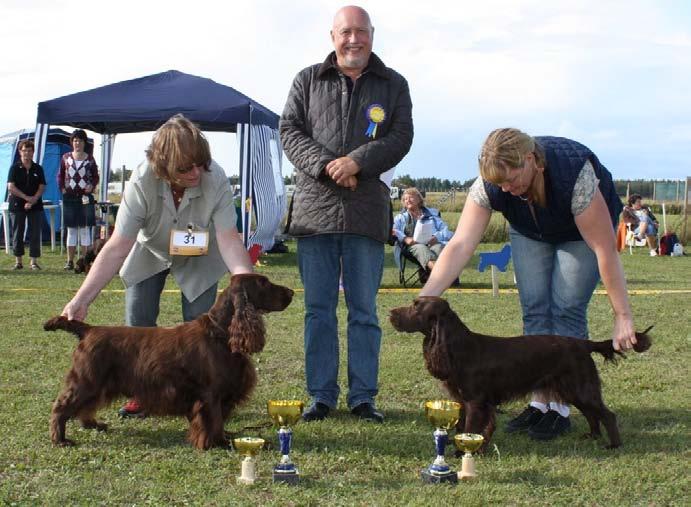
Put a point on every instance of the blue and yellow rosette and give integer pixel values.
(375, 114)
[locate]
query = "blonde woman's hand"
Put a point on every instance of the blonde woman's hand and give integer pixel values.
(624, 333)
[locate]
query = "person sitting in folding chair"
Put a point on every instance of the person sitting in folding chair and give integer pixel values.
(643, 223)
(420, 234)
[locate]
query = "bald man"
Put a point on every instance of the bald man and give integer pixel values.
(346, 121)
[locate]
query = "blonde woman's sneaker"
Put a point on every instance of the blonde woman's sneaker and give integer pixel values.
(69, 265)
(653, 253)
(17, 266)
(525, 420)
(35, 266)
(550, 426)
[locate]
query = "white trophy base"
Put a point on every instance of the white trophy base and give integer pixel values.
(248, 474)
(467, 469)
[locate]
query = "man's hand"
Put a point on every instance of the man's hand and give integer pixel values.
(432, 241)
(343, 171)
(350, 182)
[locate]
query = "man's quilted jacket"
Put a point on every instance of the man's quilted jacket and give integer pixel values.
(320, 123)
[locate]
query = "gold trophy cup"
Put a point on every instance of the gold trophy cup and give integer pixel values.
(284, 413)
(443, 414)
(468, 443)
(248, 447)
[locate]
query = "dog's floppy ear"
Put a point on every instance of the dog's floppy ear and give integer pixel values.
(247, 333)
(437, 343)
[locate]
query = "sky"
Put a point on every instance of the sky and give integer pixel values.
(614, 75)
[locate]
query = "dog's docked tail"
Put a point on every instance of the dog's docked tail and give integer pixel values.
(72, 326)
(643, 343)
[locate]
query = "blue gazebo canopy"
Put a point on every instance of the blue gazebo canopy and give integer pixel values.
(144, 104)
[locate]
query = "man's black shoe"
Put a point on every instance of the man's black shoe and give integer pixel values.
(550, 426)
(525, 420)
(317, 412)
(367, 412)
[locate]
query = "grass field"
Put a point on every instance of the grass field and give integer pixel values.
(343, 461)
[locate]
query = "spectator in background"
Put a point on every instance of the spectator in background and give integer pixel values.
(642, 221)
(346, 121)
(404, 228)
(25, 184)
(77, 179)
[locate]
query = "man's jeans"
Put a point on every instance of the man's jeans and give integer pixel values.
(142, 301)
(321, 259)
(555, 284)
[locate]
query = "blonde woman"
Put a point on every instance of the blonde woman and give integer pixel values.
(176, 188)
(562, 208)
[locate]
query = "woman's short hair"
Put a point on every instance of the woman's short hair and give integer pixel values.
(25, 143)
(633, 198)
(78, 134)
(176, 146)
(414, 191)
(505, 149)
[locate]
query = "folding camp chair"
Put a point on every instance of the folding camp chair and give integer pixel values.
(403, 258)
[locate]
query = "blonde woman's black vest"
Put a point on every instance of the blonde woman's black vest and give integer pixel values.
(555, 223)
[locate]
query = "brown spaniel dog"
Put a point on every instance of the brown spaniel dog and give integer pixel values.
(200, 369)
(84, 263)
(482, 371)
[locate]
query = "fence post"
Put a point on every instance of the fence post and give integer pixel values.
(687, 198)
(495, 282)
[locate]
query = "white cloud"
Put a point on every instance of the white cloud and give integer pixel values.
(614, 74)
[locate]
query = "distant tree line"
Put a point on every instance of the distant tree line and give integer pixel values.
(658, 190)
(431, 184)
(649, 189)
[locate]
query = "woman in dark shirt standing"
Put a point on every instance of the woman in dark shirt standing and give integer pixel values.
(26, 183)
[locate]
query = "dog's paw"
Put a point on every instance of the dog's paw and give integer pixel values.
(95, 425)
(64, 443)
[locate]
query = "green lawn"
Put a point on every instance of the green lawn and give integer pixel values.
(342, 461)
